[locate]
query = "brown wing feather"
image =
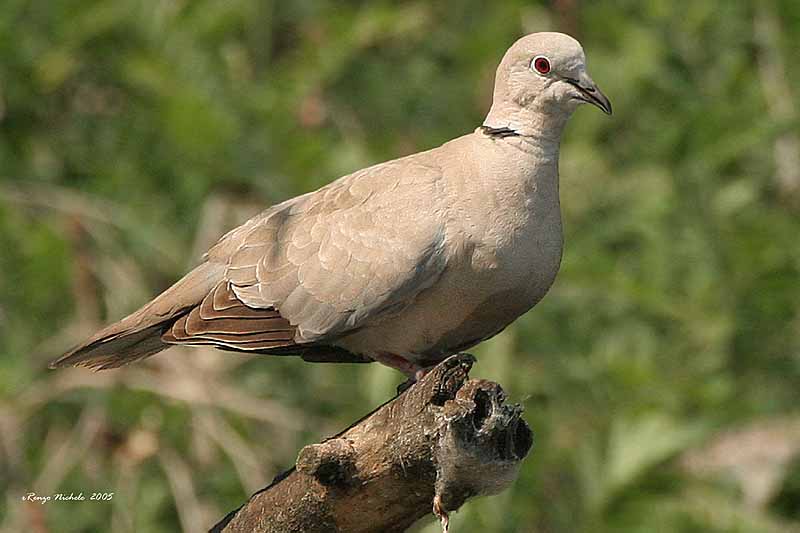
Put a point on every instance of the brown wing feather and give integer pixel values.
(222, 303)
(221, 319)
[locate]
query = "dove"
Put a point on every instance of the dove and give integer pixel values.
(405, 262)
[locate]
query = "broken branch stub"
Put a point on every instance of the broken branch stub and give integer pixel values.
(445, 439)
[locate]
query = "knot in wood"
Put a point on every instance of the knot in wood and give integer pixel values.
(332, 462)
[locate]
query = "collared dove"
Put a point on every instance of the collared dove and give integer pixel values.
(405, 262)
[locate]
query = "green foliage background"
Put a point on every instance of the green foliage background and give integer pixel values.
(661, 375)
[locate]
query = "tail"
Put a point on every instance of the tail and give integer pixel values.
(139, 334)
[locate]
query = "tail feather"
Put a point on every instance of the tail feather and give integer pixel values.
(139, 334)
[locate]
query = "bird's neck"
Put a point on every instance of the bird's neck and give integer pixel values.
(539, 129)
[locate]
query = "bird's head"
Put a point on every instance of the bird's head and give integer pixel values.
(542, 75)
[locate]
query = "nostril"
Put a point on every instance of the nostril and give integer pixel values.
(589, 89)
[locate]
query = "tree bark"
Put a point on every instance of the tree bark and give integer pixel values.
(443, 440)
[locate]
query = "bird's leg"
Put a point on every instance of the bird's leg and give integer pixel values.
(412, 371)
(398, 363)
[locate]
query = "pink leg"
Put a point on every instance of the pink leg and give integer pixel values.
(398, 363)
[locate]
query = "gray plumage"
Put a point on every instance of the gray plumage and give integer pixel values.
(405, 262)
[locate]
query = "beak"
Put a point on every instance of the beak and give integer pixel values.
(590, 93)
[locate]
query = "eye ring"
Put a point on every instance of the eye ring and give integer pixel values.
(541, 65)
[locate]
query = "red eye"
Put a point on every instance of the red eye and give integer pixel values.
(541, 64)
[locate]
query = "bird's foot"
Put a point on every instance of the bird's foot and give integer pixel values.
(422, 372)
(441, 514)
(418, 375)
(413, 371)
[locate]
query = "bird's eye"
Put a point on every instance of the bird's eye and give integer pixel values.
(541, 64)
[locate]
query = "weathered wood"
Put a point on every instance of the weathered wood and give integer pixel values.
(445, 439)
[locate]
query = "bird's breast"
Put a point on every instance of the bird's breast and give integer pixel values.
(519, 256)
(518, 242)
(503, 249)
(509, 256)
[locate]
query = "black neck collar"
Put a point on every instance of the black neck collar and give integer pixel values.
(503, 132)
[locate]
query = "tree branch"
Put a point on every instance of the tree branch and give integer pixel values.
(443, 440)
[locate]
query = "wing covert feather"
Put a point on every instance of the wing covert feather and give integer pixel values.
(334, 260)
